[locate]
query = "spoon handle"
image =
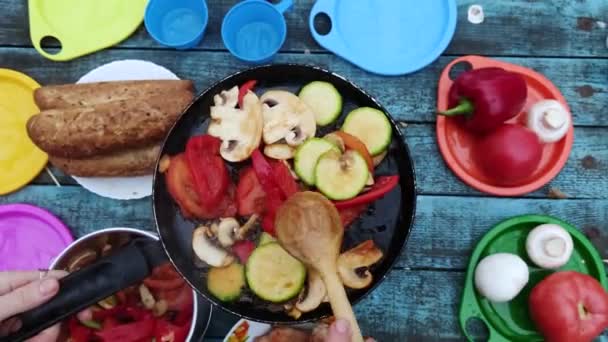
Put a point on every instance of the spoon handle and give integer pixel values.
(340, 304)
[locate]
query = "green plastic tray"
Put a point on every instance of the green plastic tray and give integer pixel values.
(511, 321)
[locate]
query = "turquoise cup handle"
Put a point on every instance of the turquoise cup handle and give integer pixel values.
(284, 6)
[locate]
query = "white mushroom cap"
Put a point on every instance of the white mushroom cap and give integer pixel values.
(353, 265)
(549, 120)
(286, 117)
(549, 246)
(207, 251)
(226, 231)
(314, 293)
(240, 129)
(500, 277)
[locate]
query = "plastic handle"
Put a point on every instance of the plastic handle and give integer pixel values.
(79, 290)
(331, 40)
(284, 6)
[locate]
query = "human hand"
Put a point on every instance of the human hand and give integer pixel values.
(340, 331)
(24, 290)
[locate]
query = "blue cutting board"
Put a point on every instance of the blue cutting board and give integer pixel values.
(387, 37)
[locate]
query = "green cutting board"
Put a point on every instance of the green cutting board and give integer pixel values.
(83, 26)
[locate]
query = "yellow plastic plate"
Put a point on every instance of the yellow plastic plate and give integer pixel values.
(20, 159)
(83, 26)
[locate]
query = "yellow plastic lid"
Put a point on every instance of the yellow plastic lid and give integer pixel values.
(20, 159)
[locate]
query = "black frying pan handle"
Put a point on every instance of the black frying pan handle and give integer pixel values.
(124, 267)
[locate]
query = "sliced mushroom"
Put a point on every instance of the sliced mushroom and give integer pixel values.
(226, 230)
(146, 296)
(240, 129)
(286, 117)
(353, 265)
(208, 252)
(279, 151)
(314, 293)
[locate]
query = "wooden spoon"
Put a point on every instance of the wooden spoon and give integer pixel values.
(308, 226)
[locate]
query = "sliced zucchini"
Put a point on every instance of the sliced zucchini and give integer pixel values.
(266, 238)
(371, 126)
(307, 156)
(324, 100)
(273, 274)
(226, 283)
(341, 177)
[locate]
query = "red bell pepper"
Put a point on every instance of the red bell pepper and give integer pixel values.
(131, 332)
(243, 250)
(247, 86)
(274, 195)
(349, 215)
(207, 168)
(167, 332)
(569, 307)
(283, 178)
(381, 187)
(250, 196)
(485, 98)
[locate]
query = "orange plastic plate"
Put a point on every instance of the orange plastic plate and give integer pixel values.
(456, 144)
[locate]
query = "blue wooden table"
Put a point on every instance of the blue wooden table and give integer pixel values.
(563, 39)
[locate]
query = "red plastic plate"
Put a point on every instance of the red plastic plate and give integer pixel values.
(456, 143)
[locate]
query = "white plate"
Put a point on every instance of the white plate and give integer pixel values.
(255, 330)
(123, 188)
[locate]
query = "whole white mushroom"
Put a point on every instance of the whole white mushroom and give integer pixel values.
(549, 246)
(500, 277)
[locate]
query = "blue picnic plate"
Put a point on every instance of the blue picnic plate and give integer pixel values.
(387, 37)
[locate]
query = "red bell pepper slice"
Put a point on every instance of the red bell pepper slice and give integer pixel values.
(381, 187)
(274, 195)
(349, 215)
(243, 250)
(167, 332)
(131, 332)
(247, 86)
(78, 332)
(207, 168)
(250, 196)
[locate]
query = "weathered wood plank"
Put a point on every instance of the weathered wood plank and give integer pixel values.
(445, 231)
(518, 27)
(584, 176)
(411, 98)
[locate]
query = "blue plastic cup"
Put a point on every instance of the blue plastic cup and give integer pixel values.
(255, 30)
(179, 24)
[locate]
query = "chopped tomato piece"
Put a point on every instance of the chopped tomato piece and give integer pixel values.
(177, 299)
(78, 332)
(243, 250)
(167, 332)
(207, 168)
(131, 332)
(282, 177)
(250, 196)
(353, 143)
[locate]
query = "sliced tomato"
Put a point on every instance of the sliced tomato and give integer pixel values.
(178, 299)
(351, 142)
(250, 196)
(381, 187)
(164, 284)
(167, 332)
(247, 86)
(109, 322)
(78, 332)
(207, 168)
(282, 178)
(131, 332)
(350, 215)
(165, 271)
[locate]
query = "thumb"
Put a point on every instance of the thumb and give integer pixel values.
(28, 297)
(339, 331)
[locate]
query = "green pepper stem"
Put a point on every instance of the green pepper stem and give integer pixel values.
(464, 107)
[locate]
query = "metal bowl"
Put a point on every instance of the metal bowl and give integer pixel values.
(118, 236)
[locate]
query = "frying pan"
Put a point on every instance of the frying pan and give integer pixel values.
(388, 221)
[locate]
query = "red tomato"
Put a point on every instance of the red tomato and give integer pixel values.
(282, 178)
(207, 168)
(178, 299)
(510, 154)
(181, 188)
(351, 142)
(131, 332)
(243, 250)
(78, 332)
(167, 332)
(351, 214)
(250, 196)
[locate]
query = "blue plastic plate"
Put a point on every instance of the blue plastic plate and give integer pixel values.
(387, 37)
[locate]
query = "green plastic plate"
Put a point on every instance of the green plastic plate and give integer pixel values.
(511, 321)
